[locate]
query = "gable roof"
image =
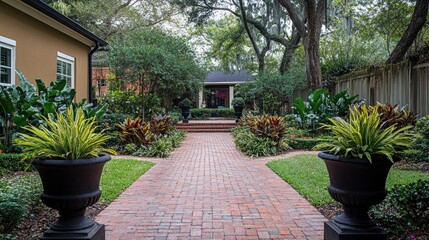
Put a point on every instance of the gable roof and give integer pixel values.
(225, 77)
(52, 14)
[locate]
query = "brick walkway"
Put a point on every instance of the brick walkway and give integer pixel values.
(209, 190)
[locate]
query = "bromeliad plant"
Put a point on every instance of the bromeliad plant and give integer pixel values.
(136, 131)
(161, 125)
(273, 127)
(68, 136)
(364, 135)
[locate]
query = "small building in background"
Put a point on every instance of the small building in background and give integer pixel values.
(219, 88)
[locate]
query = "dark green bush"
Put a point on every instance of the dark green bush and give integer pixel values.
(14, 162)
(420, 147)
(17, 196)
(200, 113)
(304, 143)
(405, 211)
(225, 112)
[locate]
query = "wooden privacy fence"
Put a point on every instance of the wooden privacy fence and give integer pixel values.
(402, 84)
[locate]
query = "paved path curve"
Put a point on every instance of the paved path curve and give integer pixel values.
(209, 190)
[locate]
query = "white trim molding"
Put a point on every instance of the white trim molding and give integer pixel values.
(11, 45)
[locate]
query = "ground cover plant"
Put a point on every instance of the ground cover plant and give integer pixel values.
(23, 215)
(308, 175)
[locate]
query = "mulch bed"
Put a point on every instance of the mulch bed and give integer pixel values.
(35, 224)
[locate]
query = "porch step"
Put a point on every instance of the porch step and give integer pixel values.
(207, 126)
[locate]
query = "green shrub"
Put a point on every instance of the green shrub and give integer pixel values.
(8, 237)
(162, 146)
(225, 112)
(175, 117)
(14, 162)
(17, 196)
(421, 145)
(200, 113)
(256, 146)
(130, 148)
(405, 211)
(304, 143)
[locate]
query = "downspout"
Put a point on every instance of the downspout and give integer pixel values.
(93, 50)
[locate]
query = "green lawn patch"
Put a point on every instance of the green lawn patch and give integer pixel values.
(308, 175)
(119, 174)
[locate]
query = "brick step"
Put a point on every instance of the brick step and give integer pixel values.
(206, 126)
(205, 130)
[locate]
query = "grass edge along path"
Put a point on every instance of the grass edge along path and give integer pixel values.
(119, 174)
(307, 174)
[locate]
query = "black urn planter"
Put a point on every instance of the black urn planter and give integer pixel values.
(238, 112)
(185, 113)
(357, 185)
(70, 186)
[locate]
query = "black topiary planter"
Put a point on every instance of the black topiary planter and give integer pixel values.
(357, 184)
(70, 186)
(185, 114)
(238, 112)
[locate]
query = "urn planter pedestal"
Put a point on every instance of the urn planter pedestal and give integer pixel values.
(238, 110)
(70, 186)
(185, 114)
(357, 185)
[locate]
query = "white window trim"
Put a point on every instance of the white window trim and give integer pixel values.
(11, 44)
(68, 59)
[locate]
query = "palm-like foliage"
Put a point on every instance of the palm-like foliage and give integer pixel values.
(68, 136)
(361, 136)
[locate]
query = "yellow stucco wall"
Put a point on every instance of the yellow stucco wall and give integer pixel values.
(37, 45)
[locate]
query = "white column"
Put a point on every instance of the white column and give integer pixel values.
(200, 99)
(231, 96)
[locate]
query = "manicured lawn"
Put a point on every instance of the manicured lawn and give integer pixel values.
(308, 175)
(119, 174)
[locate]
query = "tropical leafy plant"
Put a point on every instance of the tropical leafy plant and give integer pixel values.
(68, 136)
(272, 127)
(136, 131)
(395, 115)
(320, 106)
(25, 104)
(360, 136)
(161, 125)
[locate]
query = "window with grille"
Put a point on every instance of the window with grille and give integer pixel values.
(65, 68)
(7, 61)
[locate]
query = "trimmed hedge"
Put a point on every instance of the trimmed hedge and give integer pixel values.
(225, 112)
(304, 143)
(14, 162)
(200, 113)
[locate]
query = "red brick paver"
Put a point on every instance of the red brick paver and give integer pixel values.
(209, 190)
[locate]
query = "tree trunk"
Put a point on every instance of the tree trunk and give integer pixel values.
(289, 51)
(312, 66)
(261, 63)
(417, 22)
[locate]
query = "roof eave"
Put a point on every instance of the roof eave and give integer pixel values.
(54, 14)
